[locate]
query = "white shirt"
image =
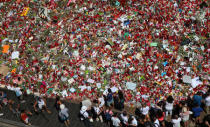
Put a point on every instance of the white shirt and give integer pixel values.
(157, 123)
(41, 103)
(102, 102)
(176, 122)
(64, 112)
(169, 106)
(18, 90)
(84, 113)
(145, 110)
(207, 101)
(96, 109)
(134, 122)
(115, 121)
(124, 118)
(186, 115)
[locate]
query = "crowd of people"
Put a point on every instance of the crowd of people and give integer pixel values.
(163, 114)
(111, 111)
(147, 49)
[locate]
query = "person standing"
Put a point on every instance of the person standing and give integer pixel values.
(207, 102)
(115, 120)
(176, 121)
(197, 98)
(124, 117)
(185, 114)
(196, 113)
(169, 105)
(109, 98)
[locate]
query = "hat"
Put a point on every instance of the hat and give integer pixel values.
(84, 108)
(62, 106)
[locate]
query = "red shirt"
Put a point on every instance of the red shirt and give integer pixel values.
(23, 116)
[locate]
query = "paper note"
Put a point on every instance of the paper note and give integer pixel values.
(90, 80)
(70, 81)
(187, 79)
(114, 89)
(15, 55)
(98, 85)
(72, 90)
(25, 11)
(195, 82)
(153, 44)
(131, 86)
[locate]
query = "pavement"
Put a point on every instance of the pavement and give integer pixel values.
(45, 120)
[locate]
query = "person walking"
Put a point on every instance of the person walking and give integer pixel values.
(84, 116)
(64, 115)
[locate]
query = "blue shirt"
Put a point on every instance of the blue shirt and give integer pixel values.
(109, 97)
(197, 111)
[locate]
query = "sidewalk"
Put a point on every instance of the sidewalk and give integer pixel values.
(51, 120)
(9, 123)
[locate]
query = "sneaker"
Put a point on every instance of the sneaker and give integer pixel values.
(1, 114)
(101, 118)
(97, 119)
(91, 120)
(23, 101)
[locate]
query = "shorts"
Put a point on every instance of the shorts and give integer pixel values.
(110, 102)
(64, 118)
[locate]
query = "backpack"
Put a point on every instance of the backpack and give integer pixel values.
(81, 116)
(107, 116)
(62, 116)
